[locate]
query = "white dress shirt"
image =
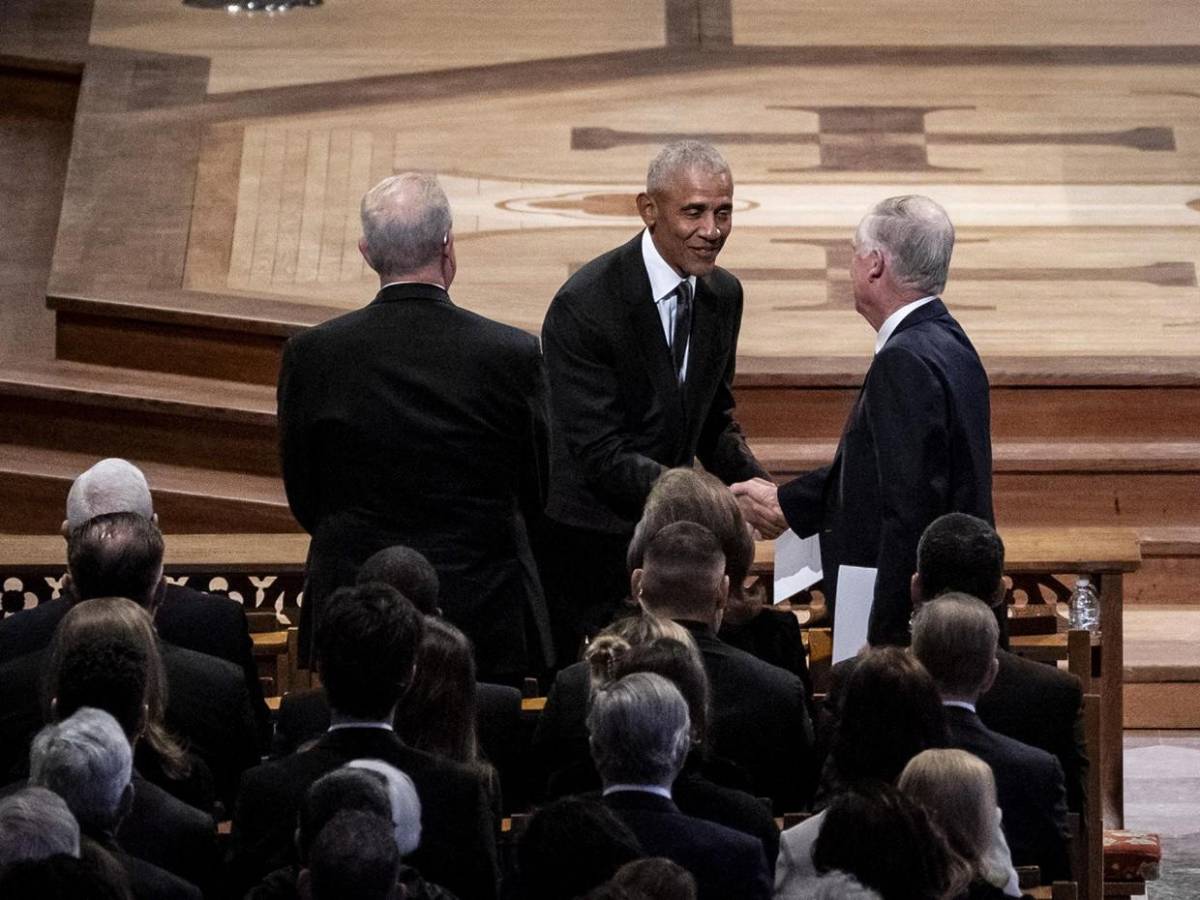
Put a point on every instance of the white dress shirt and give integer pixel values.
(890, 323)
(664, 280)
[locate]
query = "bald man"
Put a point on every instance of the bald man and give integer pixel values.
(413, 421)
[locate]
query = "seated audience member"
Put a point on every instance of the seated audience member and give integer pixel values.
(694, 793)
(206, 623)
(105, 656)
(656, 879)
(835, 885)
(36, 823)
(560, 739)
(640, 735)
(61, 876)
(688, 495)
(891, 711)
(759, 713)
(366, 649)
(889, 844)
(569, 847)
(87, 761)
(120, 555)
(954, 637)
(1031, 702)
(353, 856)
(959, 792)
(409, 572)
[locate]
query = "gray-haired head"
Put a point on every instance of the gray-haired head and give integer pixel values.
(640, 730)
(954, 637)
(406, 805)
(111, 485)
(406, 222)
(915, 236)
(86, 760)
(836, 885)
(36, 823)
(679, 156)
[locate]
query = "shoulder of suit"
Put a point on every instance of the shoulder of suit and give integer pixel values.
(218, 673)
(1020, 670)
(604, 274)
(763, 670)
(723, 283)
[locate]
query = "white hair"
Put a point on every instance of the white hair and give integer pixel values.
(406, 221)
(682, 156)
(111, 485)
(640, 730)
(916, 237)
(85, 759)
(406, 805)
(836, 885)
(36, 823)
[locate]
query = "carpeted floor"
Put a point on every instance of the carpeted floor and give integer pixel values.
(1162, 794)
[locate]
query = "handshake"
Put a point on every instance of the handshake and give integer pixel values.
(759, 500)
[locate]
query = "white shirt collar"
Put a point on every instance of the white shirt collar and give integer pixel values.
(890, 323)
(430, 283)
(663, 278)
(644, 788)
(339, 722)
(961, 704)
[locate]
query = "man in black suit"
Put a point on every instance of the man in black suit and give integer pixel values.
(954, 637)
(413, 421)
(640, 735)
(918, 441)
(640, 350)
(366, 649)
(205, 623)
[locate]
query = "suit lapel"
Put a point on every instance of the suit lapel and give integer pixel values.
(649, 340)
(703, 350)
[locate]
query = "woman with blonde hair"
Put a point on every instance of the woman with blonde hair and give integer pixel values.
(959, 791)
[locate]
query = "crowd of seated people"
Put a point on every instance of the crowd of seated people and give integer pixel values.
(136, 764)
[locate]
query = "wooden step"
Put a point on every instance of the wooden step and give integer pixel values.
(173, 419)
(1162, 667)
(34, 482)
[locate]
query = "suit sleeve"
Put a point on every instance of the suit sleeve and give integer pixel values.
(585, 401)
(904, 405)
(294, 453)
(722, 446)
(802, 501)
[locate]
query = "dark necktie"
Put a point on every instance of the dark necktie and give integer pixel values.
(683, 327)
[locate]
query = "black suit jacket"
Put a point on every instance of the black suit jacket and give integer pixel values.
(758, 719)
(31, 629)
(412, 421)
(619, 417)
(165, 831)
(1029, 789)
(917, 445)
(458, 835)
(725, 863)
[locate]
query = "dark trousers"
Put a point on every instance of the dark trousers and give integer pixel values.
(586, 582)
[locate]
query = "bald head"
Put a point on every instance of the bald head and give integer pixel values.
(406, 227)
(111, 485)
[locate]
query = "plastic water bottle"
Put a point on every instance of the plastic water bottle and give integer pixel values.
(1084, 606)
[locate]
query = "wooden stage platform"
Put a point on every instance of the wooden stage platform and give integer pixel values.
(210, 164)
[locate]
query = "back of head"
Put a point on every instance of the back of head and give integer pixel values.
(959, 791)
(687, 495)
(116, 555)
(405, 221)
(889, 844)
(36, 823)
(437, 712)
(683, 572)
(954, 637)
(354, 856)
(890, 712)
(367, 642)
(640, 730)
(959, 552)
(341, 790)
(681, 664)
(835, 885)
(111, 485)
(61, 876)
(656, 879)
(570, 846)
(408, 572)
(615, 641)
(406, 805)
(916, 237)
(86, 760)
(682, 156)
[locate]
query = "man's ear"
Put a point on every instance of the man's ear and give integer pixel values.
(723, 592)
(916, 590)
(635, 583)
(993, 669)
(876, 266)
(126, 803)
(53, 709)
(65, 530)
(648, 209)
(362, 249)
(304, 884)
